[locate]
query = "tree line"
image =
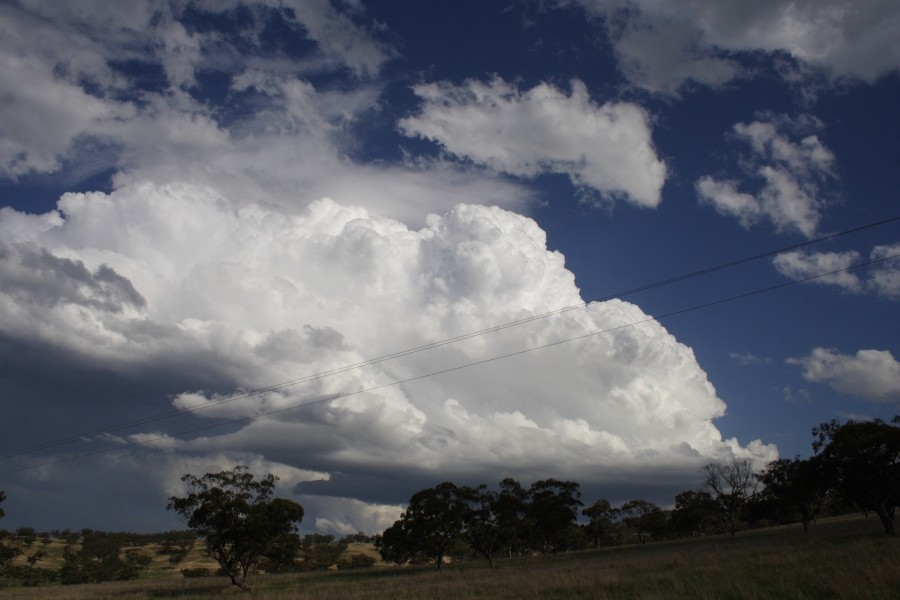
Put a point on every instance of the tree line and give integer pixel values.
(854, 464)
(244, 528)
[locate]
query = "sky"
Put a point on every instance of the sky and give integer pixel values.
(370, 246)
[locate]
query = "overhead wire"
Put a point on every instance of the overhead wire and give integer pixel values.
(250, 418)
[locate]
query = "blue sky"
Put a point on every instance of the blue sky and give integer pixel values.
(205, 199)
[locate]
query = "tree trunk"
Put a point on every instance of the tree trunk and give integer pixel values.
(237, 578)
(887, 519)
(240, 583)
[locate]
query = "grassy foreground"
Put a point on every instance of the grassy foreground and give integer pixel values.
(845, 557)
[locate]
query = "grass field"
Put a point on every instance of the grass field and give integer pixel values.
(845, 557)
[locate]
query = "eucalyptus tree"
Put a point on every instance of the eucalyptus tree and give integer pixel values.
(798, 486)
(730, 485)
(644, 518)
(864, 458)
(482, 528)
(552, 510)
(601, 525)
(431, 524)
(695, 512)
(237, 517)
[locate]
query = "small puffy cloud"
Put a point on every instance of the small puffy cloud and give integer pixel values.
(872, 375)
(799, 265)
(881, 279)
(663, 47)
(605, 148)
(171, 279)
(790, 169)
(884, 277)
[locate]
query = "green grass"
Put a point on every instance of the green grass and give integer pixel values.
(845, 557)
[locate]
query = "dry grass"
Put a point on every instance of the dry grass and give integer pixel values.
(840, 558)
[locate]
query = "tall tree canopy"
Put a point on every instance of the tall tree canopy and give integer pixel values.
(865, 458)
(552, 510)
(431, 524)
(797, 486)
(730, 485)
(237, 517)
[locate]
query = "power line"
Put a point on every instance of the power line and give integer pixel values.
(251, 418)
(370, 362)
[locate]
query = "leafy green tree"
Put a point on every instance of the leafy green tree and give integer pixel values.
(695, 513)
(481, 522)
(432, 523)
(730, 485)
(797, 486)
(644, 518)
(510, 509)
(865, 459)
(600, 527)
(552, 510)
(237, 518)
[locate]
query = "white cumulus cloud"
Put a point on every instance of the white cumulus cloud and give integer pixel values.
(606, 148)
(872, 375)
(791, 166)
(884, 277)
(881, 278)
(802, 265)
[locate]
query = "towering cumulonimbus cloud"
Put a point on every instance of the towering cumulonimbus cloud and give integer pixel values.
(244, 297)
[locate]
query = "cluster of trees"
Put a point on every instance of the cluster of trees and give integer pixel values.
(855, 464)
(88, 556)
(459, 521)
(511, 520)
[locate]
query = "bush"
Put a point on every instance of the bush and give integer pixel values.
(197, 572)
(357, 561)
